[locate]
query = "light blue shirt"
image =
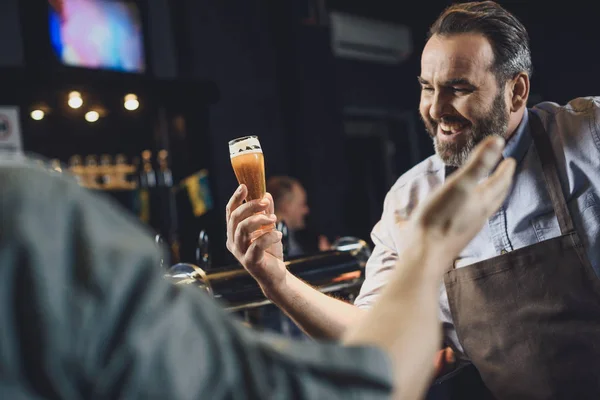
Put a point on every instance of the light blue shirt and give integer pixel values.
(527, 216)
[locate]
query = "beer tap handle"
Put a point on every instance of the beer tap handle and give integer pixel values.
(159, 240)
(282, 227)
(202, 251)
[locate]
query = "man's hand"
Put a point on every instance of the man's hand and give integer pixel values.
(323, 243)
(257, 248)
(444, 362)
(457, 211)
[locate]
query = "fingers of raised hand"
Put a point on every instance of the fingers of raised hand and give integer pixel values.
(493, 191)
(248, 230)
(238, 213)
(271, 207)
(481, 162)
(463, 190)
(260, 245)
(235, 201)
(244, 211)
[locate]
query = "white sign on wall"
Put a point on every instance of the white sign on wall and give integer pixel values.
(10, 130)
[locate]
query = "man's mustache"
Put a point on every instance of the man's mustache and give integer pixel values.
(449, 120)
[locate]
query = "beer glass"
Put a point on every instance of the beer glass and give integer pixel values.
(248, 165)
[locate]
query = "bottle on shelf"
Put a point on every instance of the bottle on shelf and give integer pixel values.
(135, 176)
(76, 168)
(165, 176)
(90, 172)
(203, 258)
(55, 165)
(167, 211)
(122, 172)
(106, 171)
(147, 175)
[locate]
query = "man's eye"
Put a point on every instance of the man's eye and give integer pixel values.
(461, 90)
(426, 88)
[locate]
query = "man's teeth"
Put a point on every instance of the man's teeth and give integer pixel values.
(452, 127)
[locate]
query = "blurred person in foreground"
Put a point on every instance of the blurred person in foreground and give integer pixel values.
(291, 207)
(87, 313)
(521, 302)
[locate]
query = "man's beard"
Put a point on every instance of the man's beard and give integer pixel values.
(494, 123)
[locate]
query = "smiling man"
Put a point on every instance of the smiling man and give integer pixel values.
(522, 301)
(461, 102)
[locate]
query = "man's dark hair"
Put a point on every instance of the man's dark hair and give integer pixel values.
(280, 187)
(507, 35)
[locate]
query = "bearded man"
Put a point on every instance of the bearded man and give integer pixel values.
(521, 303)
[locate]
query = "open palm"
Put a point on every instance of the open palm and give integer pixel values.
(458, 210)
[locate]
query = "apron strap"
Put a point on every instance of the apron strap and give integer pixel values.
(548, 160)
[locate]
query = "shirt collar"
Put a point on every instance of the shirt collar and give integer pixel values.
(520, 141)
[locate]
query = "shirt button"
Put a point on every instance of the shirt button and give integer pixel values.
(503, 251)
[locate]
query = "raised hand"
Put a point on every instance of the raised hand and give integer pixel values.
(257, 248)
(457, 211)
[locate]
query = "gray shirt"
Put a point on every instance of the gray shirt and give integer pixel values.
(525, 218)
(85, 313)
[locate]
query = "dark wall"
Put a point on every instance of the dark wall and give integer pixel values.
(278, 79)
(564, 48)
(313, 116)
(161, 39)
(230, 43)
(10, 35)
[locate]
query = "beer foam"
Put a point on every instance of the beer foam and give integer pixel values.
(244, 146)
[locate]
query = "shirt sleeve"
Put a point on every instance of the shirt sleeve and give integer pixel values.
(86, 313)
(574, 127)
(595, 123)
(382, 262)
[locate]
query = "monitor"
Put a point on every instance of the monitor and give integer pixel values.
(97, 34)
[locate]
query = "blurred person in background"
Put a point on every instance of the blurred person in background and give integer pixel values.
(291, 207)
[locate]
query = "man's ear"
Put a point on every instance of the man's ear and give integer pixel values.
(519, 91)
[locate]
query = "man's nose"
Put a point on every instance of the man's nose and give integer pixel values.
(439, 106)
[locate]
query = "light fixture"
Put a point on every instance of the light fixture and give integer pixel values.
(92, 116)
(75, 100)
(37, 115)
(131, 102)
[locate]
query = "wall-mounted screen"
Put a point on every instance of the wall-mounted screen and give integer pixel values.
(100, 34)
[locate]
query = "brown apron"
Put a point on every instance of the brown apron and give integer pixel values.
(529, 320)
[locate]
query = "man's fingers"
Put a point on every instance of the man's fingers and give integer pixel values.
(244, 232)
(495, 189)
(271, 207)
(260, 245)
(244, 211)
(452, 195)
(482, 161)
(235, 201)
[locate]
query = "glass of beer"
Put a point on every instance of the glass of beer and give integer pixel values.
(248, 165)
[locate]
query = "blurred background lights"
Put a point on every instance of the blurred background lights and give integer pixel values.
(75, 100)
(131, 102)
(37, 115)
(92, 116)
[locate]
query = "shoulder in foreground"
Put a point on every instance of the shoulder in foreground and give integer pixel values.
(579, 106)
(577, 122)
